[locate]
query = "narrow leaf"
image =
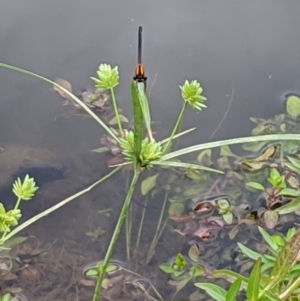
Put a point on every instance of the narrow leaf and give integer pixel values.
(213, 290)
(249, 253)
(233, 290)
(268, 238)
(185, 165)
(290, 207)
(138, 122)
(254, 280)
(256, 186)
(289, 192)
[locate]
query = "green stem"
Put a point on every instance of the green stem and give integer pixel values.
(157, 231)
(18, 203)
(114, 238)
(116, 111)
(128, 221)
(290, 289)
(141, 225)
(268, 287)
(55, 207)
(176, 126)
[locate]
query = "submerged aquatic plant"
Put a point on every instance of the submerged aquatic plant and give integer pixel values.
(273, 277)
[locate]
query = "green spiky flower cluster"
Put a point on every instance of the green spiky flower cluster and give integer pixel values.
(127, 145)
(150, 150)
(25, 190)
(191, 93)
(8, 219)
(107, 77)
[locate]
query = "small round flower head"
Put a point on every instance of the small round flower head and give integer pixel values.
(8, 219)
(191, 93)
(25, 190)
(127, 145)
(107, 77)
(150, 151)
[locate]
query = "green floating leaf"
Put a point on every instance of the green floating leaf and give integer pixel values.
(205, 157)
(194, 252)
(256, 186)
(166, 267)
(114, 120)
(176, 209)
(148, 184)
(293, 106)
(233, 290)
(226, 152)
(267, 153)
(271, 218)
(228, 218)
(213, 290)
(254, 282)
(290, 207)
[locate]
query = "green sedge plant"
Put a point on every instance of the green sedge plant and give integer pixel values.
(274, 276)
(141, 152)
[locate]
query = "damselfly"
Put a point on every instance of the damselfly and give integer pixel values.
(139, 69)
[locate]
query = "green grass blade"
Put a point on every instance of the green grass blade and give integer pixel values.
(76, 99)
(278, 137)
(233, 290)
(185, 165)
(254, 281)
(138, 122)
(177, 135)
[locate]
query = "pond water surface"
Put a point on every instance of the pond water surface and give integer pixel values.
(251, 48)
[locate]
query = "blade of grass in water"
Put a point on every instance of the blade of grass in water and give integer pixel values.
(183, 151)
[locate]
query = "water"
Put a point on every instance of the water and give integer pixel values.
(251, 47)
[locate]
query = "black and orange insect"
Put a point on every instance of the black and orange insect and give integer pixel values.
(139, 69)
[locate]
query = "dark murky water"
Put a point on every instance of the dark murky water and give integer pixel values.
(251, 47)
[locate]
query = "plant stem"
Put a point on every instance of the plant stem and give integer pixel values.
(18, 203)
(141, 225)
(290, 289)
(176, 126)
(128, 222)
(116, 111)
(55, 207)
(115, 235)
(157, 232)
